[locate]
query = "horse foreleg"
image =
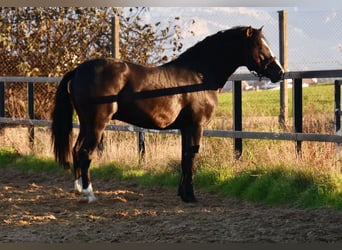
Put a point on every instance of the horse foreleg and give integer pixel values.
(190, 147)
(186, 190)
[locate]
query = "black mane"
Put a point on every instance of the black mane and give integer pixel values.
(217, 38)
(211, 55)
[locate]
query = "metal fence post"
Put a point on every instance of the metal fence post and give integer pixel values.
(2, 103)
(2, 99)
(337, 120)
(237, 117)
(141, 146)
(298, 111)
(30, 98)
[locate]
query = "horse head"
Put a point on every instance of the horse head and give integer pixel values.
(260, 58)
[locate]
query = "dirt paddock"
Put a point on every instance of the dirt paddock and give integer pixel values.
(39, 208)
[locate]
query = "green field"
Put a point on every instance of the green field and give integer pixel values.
(318, 99)
(269, 172)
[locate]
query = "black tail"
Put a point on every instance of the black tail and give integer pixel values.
(61, 133)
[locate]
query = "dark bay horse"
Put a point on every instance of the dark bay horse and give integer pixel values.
(181, 94)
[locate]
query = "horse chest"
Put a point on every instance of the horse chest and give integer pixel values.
(203, 106)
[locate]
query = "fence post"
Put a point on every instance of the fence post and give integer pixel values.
(141, 146)
(30, 98)
(337, 120)
(116, 54)
(298, 111)
(115, 37)
(237, 117)
(2, 103)
(283, 48)
(2, 99)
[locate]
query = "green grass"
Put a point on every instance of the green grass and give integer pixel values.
(141, 176)
(280, 186)
(318, 98)
(268, 185)
(10, 158)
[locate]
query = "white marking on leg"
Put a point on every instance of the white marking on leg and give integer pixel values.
(78, 185)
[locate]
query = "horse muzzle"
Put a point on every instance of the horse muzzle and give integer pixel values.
(274, 71)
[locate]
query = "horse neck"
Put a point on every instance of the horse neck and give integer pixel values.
(215, 69)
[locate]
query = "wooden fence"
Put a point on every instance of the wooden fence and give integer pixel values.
(237, 133)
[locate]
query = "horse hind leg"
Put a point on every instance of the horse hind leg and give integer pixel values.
(76, 161)
(100, 147)
(87, 194)
(92, 125)
(91, 140)
(78, 177)
(85, 153)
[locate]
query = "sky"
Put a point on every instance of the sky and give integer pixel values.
(314, 33)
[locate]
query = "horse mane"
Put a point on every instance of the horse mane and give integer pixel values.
(211, 43)
(212, 38)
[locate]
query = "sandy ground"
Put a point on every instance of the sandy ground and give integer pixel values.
(44, 209)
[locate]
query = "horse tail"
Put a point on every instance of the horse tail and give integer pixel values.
(61, 128)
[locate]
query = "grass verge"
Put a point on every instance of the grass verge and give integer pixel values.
(10, 158)
(279, 185)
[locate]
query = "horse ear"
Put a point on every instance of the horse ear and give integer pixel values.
(249, 31)
(261, 28)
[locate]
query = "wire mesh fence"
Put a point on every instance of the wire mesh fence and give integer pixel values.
(36, 46)
(314, 40)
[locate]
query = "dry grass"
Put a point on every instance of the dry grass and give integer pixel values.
(163, 150)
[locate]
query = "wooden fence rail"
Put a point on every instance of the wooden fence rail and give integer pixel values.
(237, 134)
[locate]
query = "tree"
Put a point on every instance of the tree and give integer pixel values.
(51, 41)
(39, 41)
(153, 40)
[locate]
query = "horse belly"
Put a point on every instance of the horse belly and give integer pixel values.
(162, 111)
(155, 113)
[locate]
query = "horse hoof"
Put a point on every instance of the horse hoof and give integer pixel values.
(187, 196)
(86, 199)
(83, 199)
(92, 199)
(87, 195)
(189, 199)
